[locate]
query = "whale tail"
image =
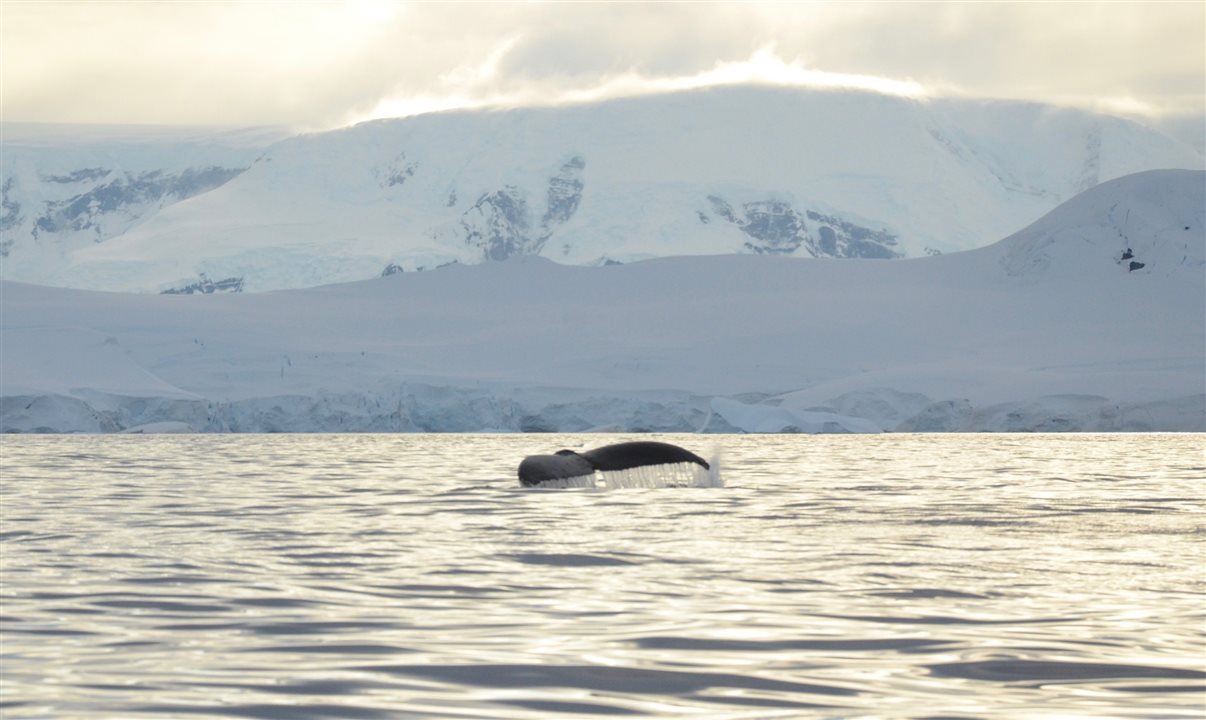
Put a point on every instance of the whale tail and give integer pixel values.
(633, 464)
(684, 474)
(714, 479)
(574, 481)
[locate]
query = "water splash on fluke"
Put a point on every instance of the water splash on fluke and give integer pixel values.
(641, 464)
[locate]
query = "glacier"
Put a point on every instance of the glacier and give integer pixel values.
(742, 169)
(1049, 329)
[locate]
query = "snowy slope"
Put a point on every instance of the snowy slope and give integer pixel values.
(1048, 329)
(67, 187)
(805, 173)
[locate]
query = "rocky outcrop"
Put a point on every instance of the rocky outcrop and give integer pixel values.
(498, 223)
(76, 176)
(564, 194)
(205, 286)
(839, 238)
(10, 216)
(129, 192)
(777, 228)
(501, 223)
(396, 172)
(774, 227)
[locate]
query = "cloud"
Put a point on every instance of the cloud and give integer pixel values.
(763, 67)
(321, 64)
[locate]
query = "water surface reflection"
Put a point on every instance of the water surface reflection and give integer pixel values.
(366, 576)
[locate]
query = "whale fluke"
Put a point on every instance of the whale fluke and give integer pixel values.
(568, 468)
(566, 464)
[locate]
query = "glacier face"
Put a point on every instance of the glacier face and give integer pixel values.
(802, 173)
(569, 410)
(1048, 329)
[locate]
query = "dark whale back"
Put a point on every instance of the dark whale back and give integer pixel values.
(537, 469)
(624, 456)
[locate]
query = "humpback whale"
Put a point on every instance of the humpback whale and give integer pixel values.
(567, 468)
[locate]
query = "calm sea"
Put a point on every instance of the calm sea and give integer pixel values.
(399, 576)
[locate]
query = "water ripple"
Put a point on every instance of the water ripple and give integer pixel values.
(1050, 671)
(408, 576)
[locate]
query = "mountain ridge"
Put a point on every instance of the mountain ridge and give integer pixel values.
(741, 169)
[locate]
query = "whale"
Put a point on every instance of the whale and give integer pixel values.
(568, 465)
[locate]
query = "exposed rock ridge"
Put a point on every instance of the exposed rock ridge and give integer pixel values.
(10, 218)
(775, 227)
(154, 188)
(501, 223)
(205, 286)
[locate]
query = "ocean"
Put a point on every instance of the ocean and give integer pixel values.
(400, 576)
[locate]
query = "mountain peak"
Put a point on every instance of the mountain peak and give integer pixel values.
(763, 170)
(1149, 223)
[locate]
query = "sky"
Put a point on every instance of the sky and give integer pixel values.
(316, 65)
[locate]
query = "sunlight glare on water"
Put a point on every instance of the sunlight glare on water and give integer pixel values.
(385, 576)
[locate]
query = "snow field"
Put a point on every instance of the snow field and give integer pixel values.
(1047, 329)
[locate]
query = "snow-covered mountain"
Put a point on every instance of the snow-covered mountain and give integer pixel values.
(757, 170)
(1092, 318)
(68, 187)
